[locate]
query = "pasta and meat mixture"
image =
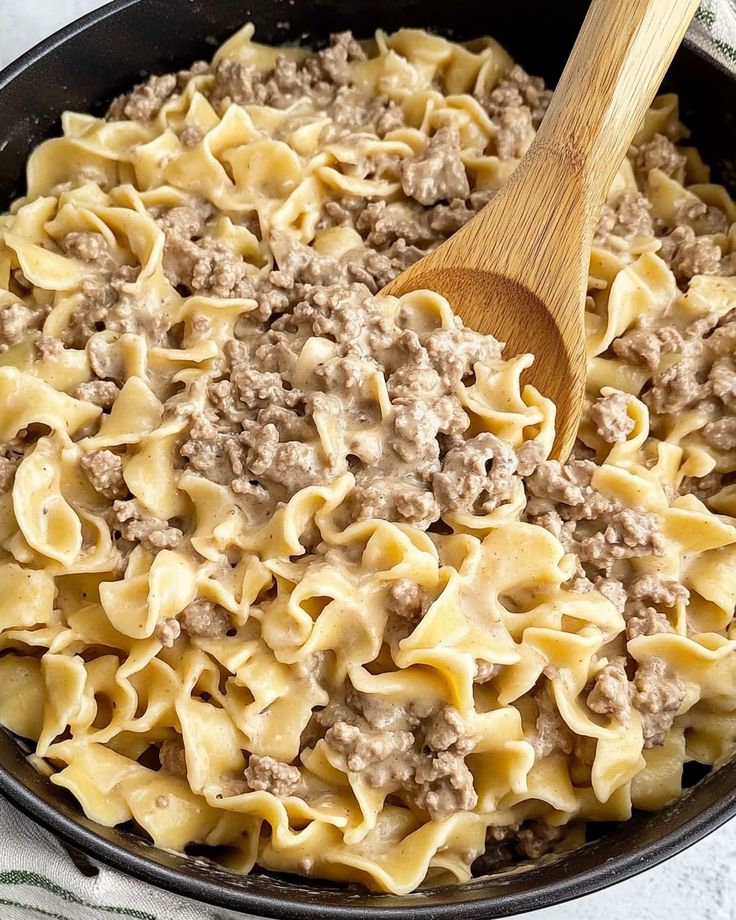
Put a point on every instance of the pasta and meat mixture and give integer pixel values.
(285, 567)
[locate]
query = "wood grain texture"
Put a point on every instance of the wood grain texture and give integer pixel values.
(519, 269)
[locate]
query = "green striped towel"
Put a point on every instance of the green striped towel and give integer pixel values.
(714, 30)
(39, 880)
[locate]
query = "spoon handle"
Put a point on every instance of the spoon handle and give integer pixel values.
(543, 219)
(620, 57)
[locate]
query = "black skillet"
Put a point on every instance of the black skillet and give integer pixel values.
(82, 68)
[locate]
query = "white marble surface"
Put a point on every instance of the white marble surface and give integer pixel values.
(696, 884)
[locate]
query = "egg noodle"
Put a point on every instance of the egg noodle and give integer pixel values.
(385, 697)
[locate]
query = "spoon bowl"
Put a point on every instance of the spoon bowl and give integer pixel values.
(522, 322)
(518, 318)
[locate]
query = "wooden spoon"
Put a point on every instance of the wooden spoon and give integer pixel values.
(519, 269)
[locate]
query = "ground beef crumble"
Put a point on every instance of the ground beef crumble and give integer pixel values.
(611, 418)
(439, 173)
(204, 619)
(660, 153)
(630, 216)
(658, 694)
(407, 600)
(611, 694)
(16, 321)
(101, 393)
(691, 255)
(322, 79)
(552, 734)
(104, 470)
(643, 620)
(598, 529)
(418, 750)
(264, 774)
(145, 101)
(168, 631)
(514, 842)
(518, 91)
(137, 525)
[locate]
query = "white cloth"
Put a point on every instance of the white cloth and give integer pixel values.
(714, 31)
(38, 878)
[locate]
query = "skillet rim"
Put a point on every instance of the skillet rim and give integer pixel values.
(225, 892)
